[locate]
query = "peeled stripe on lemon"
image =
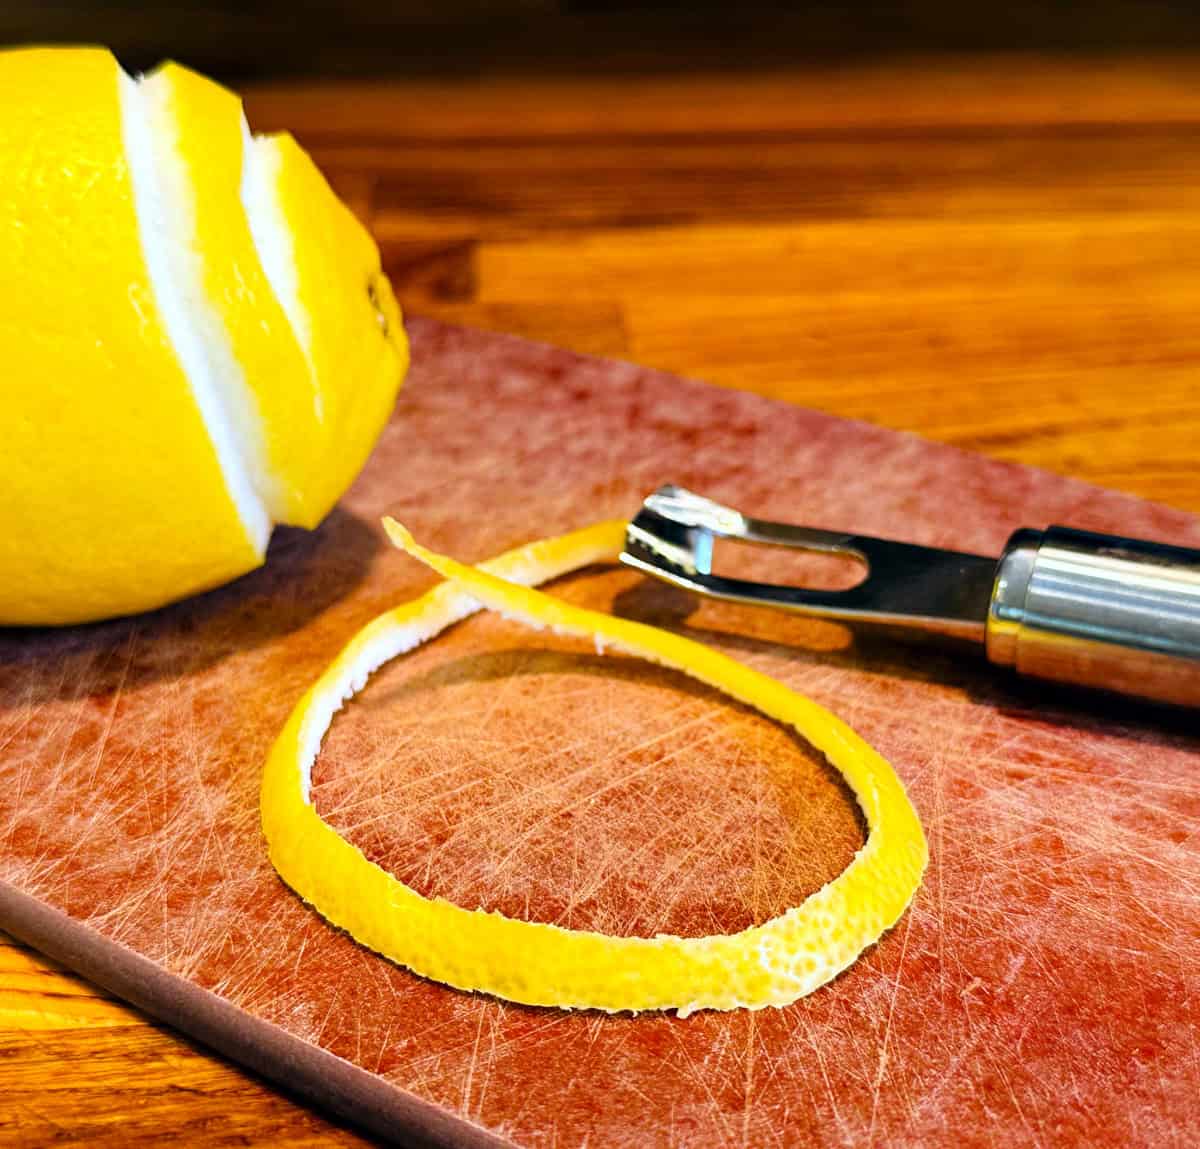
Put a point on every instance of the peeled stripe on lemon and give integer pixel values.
(542, 964)
(198, 340)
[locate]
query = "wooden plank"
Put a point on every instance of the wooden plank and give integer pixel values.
(79, 1068)
(521, 190)
(1111, 255)
(912, 95)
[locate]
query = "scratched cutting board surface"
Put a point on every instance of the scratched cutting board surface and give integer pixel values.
(1042, 986)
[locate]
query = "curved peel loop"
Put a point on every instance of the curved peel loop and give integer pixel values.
(540, 964)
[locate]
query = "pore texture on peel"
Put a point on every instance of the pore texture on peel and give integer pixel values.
(536, 963)
(198, 340)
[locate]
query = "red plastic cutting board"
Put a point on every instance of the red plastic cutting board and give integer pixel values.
(1043, 988)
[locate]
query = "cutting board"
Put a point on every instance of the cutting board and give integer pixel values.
(1043, 987)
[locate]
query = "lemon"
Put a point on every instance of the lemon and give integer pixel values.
(537, 963)
(198, 341)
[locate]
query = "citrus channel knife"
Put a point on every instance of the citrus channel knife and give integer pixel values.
(1067, 605)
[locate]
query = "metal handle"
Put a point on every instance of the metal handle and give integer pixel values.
(1099, 610)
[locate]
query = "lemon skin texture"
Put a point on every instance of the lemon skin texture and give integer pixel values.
(176, 378)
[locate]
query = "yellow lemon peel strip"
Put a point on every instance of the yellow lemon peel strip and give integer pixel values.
(541, 964)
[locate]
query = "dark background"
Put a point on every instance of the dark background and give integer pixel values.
(430, 37)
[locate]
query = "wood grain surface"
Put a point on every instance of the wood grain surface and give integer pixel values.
(1000, 255)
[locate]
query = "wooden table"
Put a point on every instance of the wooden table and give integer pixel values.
(1001, 254)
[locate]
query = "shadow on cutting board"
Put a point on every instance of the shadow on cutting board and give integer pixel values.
(744, 630)
(305, 573)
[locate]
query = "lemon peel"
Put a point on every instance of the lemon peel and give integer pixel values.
(536, 963)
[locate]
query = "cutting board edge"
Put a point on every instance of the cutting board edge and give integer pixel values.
(363, 1099)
